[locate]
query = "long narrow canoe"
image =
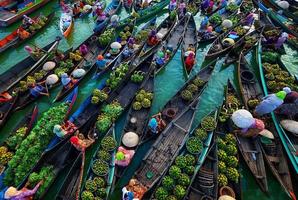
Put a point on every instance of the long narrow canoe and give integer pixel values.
(198, 161)
(8, 17)
(14, 40)
(11, 142)
(164, 29)
(190, 43)
(251, 151)
(164, 150)
(272, 149)
(289, 141)
(173, 41)
(205, 184)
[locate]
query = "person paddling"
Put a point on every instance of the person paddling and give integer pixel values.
(156, 124)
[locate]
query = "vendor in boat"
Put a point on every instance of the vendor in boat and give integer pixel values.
(127, 195)
(250, 127)
(124, 156)
(67, 81)
(191, 47)
(23, 33)
(101, 62)
(27, 21)
(182, 9)
(172, 5)
(289, 108)
(76, 9)
(24, 194)
(190, 61)
(205, 4)
(115, 20)
(5, 97)
(156, 124)
(270, 103)
(83, 49)
(152, 39)
(37, 89)
(281, 40)
(80, 142)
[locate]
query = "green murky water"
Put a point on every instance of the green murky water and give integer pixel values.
(164, 90)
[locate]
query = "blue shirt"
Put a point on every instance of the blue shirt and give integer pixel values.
(153, 125)
(35, 92)
(101, 63)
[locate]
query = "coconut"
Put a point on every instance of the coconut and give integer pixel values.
(227, 23)
(48, 66)
(116, 45)
(52, 79)
(130, 139)
(78, 73)
(242, 118)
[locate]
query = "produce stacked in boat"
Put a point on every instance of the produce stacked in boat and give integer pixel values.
(143, 100)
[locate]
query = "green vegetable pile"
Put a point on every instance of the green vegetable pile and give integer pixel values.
(30, 150)
(125, 35)
(5, 157)
(100, 168)
(143, 100)
(16, 138)
(98, 96)
(106, 37)
(240, 30)
(232, 104)
(137, 77)
(64, 67)
(109, 114)
(46, 175)
(192, 89)
(228, 162)
(208, 123)
(232, 7)
(194, 145)
(108, 143)
(176, 181)
(117, 76)
(215, 19)
(246, 6)
(277, 78)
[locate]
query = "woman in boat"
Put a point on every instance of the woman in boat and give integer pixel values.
(76, 9)
(281, 40)
(67, 81)
(172, 5)
(156, 124)
(289, 108)
(37, 89)
(182, 9)
(115, 20)
(101, 62)
(152, 39)
(80, 142)
(250, 126)
(83, 49)
(24, 194)
(270, 103)
(190, 61)
(124, 156)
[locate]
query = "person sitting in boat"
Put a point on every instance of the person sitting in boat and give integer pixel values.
(76, 9)
(83, 49)
(80, 142)
(13, 194)
(227, 42)
(145, 4)
(124, 156)
(191, 47)
(67, 81)
(156, 124)
(169, 52)
(115, 20)
(152, 39)
(250, 127)
(59, 131)
(23, 34)
(205, 4)
(172, 5)
(281, 40)
(4, 97)
(190, 61)
(127, 52)
(27, 21)
(223, 3)
(126, 194)
(289, 108)
(182, 9)
(36, 89)
(270, 103)
(101, 62)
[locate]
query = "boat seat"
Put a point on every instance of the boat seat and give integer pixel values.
(179, 127)
(273, 159)
(259, 177)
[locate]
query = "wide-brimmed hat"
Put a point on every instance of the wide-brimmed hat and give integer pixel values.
(130, 139)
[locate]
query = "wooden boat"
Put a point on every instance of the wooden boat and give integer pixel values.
(6, 109)
(251, 151)
(10, 78)
(290, 13)
(87, 64)
(204, 36)
(218, 48)
(174, 40)
(109, 177)
(27, 122)
(250, 89)
(244, 45)
(205, 184)
(164, 29)
(288, 140)
(190, 43)
(25, 97)
(199, 158)
(14, 40)
(110, 10)
(165, 149)
(66, 24)
(70, 100)
(136, 122)
(146, 13)
(9, 17)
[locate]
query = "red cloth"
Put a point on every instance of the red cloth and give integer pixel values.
(189, 62)
(74, 140)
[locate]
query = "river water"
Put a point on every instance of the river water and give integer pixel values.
(211, 98)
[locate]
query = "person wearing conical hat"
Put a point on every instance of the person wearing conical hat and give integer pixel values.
(289, 109)
(124, 156)
(270, 103)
